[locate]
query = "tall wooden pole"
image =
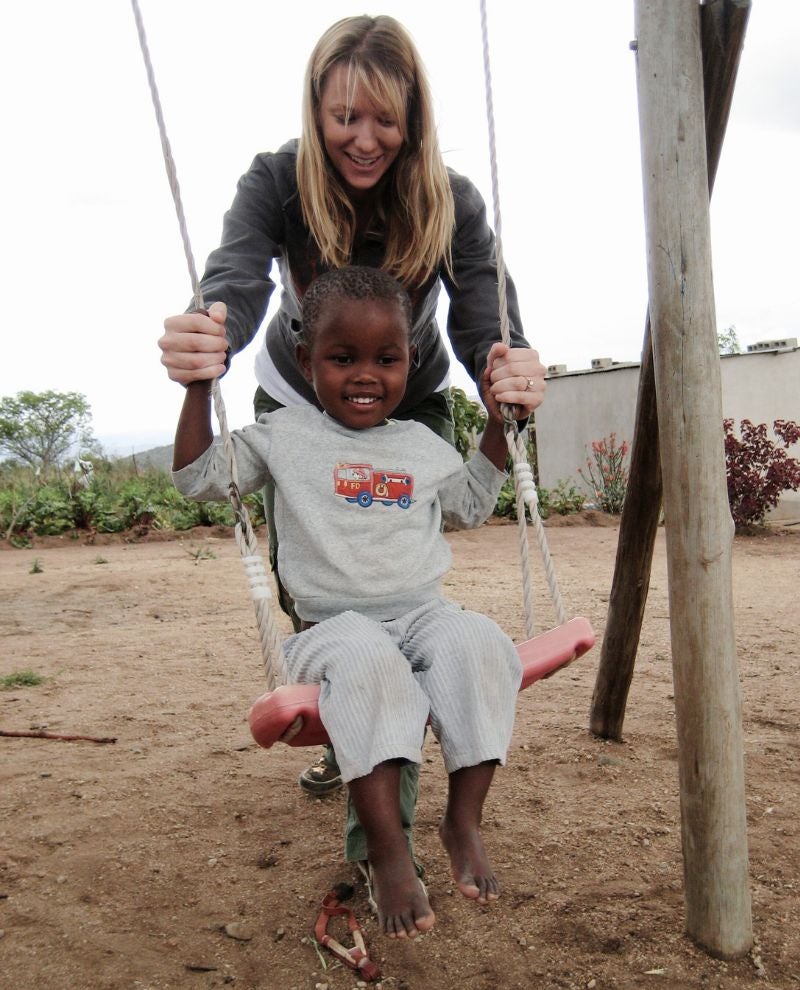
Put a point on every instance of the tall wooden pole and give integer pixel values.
(699, 529)
(722, 29)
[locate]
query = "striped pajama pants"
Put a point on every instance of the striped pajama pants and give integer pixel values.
(381, 681)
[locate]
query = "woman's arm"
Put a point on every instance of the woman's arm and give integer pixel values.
(236, 273)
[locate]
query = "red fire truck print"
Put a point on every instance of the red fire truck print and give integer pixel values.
(364, 484)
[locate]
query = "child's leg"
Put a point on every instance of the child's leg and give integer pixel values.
(375, 714)
(403, 907)
(471, 673)
(460, 832)
(370, 703)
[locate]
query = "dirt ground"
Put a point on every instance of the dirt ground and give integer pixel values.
(183, 856)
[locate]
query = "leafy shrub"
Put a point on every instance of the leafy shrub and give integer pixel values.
(50, 511)
(565, 499)
(469, 420)
(606, 475)
(758, 469)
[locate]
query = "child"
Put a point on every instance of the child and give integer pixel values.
(359, 507)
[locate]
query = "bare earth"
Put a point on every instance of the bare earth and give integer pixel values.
(122, 864)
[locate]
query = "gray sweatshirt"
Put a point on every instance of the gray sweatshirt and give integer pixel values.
(358, 512)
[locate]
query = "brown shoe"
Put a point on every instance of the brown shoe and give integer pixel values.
(321, 777)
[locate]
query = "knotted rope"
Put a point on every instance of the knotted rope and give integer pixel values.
(255, 571)
(523, 476)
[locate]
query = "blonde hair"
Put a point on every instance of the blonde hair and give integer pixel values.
(383, 64)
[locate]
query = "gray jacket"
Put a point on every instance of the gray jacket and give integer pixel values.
(265, 223)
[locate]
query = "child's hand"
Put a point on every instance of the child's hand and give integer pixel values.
(194, 346)
(515, 376)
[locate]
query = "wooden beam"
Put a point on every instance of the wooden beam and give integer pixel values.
(723, 25)
(699, 528)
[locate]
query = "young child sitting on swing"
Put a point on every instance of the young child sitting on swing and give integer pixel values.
(359, 507)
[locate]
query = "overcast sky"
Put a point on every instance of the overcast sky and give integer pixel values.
(91, 252)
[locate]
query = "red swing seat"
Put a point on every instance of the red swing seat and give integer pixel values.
(274, 713)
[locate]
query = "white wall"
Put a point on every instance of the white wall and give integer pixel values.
(588, 405)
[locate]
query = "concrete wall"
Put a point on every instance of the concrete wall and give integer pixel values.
(588, 405)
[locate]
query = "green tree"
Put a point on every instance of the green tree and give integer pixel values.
(728, 341)
(41, 428)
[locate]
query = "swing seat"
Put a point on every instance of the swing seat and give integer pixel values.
(292, 710)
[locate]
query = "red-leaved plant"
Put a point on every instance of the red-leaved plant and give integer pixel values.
(759, 469)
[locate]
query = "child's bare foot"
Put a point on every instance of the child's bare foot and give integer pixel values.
(403, 907)
(469, 862)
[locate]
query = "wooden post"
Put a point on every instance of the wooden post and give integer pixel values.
(723, 24)
(699, 528)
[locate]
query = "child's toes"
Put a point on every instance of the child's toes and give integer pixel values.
(480, 888)
(488, 889)
(469, 889)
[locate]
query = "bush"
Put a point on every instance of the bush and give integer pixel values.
(469, 419)
(606, 475)
(758, 469)
(565, 499)
(110, 500)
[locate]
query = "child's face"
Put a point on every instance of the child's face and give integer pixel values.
(358, 362)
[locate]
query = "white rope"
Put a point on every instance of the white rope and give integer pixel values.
(523, 476)
(245, 536)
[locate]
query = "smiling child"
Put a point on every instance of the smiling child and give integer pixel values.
(360, 503)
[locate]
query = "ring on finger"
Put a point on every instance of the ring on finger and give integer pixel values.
(531, 385)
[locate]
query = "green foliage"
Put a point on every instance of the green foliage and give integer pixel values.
(36, 567)
(111, 498)
(41, 428)
(728, 341)
(606, 475)
(469, 419)
(758, 469)
(565, 499)
(20, 678)
(506, 506)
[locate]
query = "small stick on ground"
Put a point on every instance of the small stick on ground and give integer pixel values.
(39, 734)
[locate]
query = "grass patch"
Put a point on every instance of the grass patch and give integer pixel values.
(20, 678)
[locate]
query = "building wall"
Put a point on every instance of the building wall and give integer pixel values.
(588, 405)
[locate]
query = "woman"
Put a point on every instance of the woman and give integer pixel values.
(365, 184)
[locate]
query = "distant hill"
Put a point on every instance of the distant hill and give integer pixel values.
(159, 458)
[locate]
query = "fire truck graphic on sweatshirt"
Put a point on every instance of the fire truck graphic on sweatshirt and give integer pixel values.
(364, 484)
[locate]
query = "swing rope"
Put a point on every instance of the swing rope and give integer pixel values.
(523, 475)
(245, 535)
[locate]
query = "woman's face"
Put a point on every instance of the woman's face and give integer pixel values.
(363, 143)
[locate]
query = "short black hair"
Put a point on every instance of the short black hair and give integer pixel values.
(352, 282)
